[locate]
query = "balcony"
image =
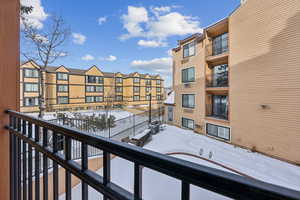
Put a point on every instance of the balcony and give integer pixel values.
(217, 50)
(25, 134)
(217, 82)
(217, 107)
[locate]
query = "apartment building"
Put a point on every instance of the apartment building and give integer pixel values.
(238, 81)
(75, 89)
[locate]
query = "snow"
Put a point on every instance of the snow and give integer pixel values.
(174, 139)
(119, 114)
(170, 98)
(140, 135)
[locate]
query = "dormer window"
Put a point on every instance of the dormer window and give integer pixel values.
(62, 76)
(31, 73)
(94, 79)
(119, 80)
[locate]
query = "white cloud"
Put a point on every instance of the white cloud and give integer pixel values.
(162, 24)
(38, 14)
(170, 52)
(101, 20)
(88, 57)
(156, 65)
(151, 43)
(132, 21)
(161, 66)
(78, 38)
(109, 58)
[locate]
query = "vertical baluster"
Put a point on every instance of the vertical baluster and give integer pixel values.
(55, 168)
(106, 169)
(19, 154)
(185, 191)
(37, 164)
(138, 181)
(24, 132)
(12, 160)
(45, 165)
(68, 174)
(29, 163)
(84, 165)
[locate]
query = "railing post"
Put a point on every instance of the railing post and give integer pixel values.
(138, 181)
(185, 190)
(106, 169)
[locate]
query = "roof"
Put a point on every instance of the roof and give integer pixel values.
(170, 99)
(83, 71)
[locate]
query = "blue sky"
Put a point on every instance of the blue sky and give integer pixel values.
(128, 35)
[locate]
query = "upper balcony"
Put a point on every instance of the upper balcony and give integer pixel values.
(217, 50)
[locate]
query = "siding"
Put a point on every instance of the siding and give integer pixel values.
(265, 70)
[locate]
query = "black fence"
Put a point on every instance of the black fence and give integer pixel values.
(24, 139)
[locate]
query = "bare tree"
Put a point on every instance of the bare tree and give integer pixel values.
(44, 46)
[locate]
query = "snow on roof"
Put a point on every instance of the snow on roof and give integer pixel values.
(170, 99)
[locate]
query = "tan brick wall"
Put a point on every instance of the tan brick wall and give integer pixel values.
(265, 70)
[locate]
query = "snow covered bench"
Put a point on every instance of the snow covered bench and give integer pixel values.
(139, 139)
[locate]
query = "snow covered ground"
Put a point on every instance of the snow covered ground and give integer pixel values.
(173, 139)
(119, 114)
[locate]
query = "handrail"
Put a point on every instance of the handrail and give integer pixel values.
(215, 180)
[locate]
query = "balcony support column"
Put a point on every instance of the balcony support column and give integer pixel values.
(9, 82)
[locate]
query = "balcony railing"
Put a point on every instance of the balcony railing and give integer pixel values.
(29, 134)
(217, 81)
(211, 113)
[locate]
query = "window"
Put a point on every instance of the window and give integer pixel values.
(119, 80)
(31, 87)
(148, 97)
(31, 73)
(170, 113)
(188, 100)
(99, 99)
(218, 131)
(158, 82)
(119, 89)
(158, 90)
(136, 89)
(187, 123)
(188, 75)
(94, 79)
(220, 106)
(158, 97)
(220, 44)
(220, 76)
(62, 88)
(136, 80)
(89, 99)
(119, 98)
(62, 76)
(93, 88)
(148, 82)
(136, 98)
(189, 49)
(62, 100)
(31, 101)
(99, 88)
(148, 89)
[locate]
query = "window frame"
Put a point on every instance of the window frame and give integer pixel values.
(62, 73)
(217, 135)
(188, 48)
(187, 73)
(187, 106)
(58, 86)
(58, 97)
(136, 99)
(121, 99)
(119, 87)
(119, 78)
(25, 90)
(24, 102)
(187, 119)
(136, 78)
(134, 87)
(29, 69)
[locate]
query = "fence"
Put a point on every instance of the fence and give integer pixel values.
(117, 130)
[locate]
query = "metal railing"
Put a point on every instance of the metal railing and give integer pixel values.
(22, 138)
(220, 81)
(212, 114)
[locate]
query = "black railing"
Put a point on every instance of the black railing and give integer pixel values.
(23, 136)
(220, 80)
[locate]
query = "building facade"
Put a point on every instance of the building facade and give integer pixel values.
(76, 89)
(238, 81)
